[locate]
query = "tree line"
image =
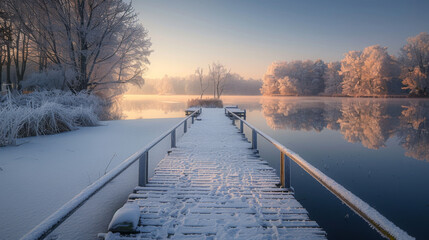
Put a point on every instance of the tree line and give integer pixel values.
(76, 45)
(214, 81)
(371, 72)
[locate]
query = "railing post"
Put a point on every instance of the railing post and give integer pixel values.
(245, 114)
(241, 126)
(285, 177)
(173, 138)
(254, 139)
(185, 126)
(233, 120)
(193, 119)
(143, 169)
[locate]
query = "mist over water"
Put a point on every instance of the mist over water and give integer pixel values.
(376, 148)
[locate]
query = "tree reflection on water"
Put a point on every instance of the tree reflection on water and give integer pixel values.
(369, 121)
(414, 131)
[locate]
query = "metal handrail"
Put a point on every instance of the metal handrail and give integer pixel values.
(50, 223)
(384, 226)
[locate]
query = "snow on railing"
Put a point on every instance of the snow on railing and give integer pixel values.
(384, 226)
(58, 217)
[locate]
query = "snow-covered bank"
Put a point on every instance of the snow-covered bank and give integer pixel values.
(43, 173)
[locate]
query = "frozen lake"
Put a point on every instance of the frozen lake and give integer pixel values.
(377, 148)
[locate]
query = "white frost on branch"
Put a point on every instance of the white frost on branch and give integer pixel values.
(294, 78)
(101, 41)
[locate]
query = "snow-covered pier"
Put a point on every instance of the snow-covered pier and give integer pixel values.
(213, 185)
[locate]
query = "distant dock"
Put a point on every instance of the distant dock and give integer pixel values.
(191, 110)
(233, 109)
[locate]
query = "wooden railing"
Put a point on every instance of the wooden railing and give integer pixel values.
(58, 217)
(384, 226)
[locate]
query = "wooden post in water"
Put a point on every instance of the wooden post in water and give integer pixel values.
(241, 127)
(185, 126)
(143, 169)
(254, 139)
(285, 170)
(173, 138)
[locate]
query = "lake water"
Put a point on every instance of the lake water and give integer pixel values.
(376, 148)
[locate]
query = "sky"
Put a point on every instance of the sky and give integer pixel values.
(248, 35)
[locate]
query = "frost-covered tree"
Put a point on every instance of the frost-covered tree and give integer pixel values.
(219, 75)
(414, 58)
(6, 34)
(14, 45)
(2, 51)
(100, 40)
(288, 86)
(317, 83)
(269, 81)
(203, 86)
(294, 78)
(367, 72)
(333, 79)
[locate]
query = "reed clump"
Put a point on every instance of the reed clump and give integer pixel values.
(206, 103)
(44, 113)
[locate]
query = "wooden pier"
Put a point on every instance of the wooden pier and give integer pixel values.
(214, 186)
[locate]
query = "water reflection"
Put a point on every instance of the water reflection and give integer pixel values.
(414, 133)
(153, 106)
(294, 115)
(173, 106)
(365, 122)
(372, 122)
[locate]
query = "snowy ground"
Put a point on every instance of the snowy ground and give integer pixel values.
(40, 175)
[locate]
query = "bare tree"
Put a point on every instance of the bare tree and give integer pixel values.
(2, 61)
(200, 75)
(20, 55)
(219, 75)
(100, 40)
(7, 38)
(2, 49)
(222, 83)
